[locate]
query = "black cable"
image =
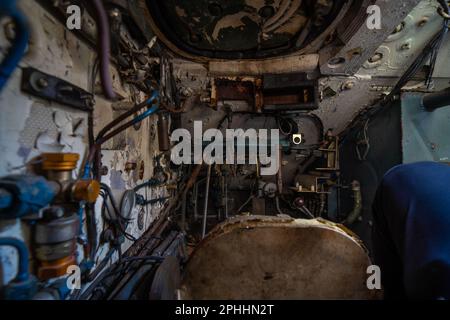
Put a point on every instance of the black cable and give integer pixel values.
(118, 223)
(93, 275)
(108, 190)
(154, 258)
(91, 230)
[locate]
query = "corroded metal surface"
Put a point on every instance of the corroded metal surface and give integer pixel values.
(242, 28)
(260, 257)
(358, 42)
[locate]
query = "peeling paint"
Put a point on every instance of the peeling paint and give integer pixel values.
(232, 21)
(117, 182)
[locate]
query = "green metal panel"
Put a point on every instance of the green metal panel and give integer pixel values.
(426, 135)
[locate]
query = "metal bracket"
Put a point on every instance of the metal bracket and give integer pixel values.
(51, 88)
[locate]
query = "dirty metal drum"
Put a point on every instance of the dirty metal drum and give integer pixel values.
(260, 257)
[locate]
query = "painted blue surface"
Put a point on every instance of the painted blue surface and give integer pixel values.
(22, 250)
(8, 8)
(412, 231)
(31, 193)
(425, 135)
(6, 199)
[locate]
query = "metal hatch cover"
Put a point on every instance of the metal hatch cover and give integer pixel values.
(260, 257)
(240, 29)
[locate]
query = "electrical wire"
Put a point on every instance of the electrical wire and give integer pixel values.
(106, 134)
(121, 222)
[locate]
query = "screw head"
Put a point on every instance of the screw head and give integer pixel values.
(406, 46)
(376, 57)
(42, 82)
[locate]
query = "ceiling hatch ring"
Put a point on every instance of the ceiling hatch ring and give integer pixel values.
(204, 30)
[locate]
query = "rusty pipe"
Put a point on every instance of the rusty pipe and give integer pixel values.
(163, 131)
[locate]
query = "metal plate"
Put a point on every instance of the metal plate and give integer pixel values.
(54, 89)
(166, 280)
(360, 43)
(276, 258)
(426, 135)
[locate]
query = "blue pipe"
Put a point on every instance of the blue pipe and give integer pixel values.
(149, 112)
(22, 250)
(155, 95)
(146, 114)
(80, 216)
(8, 8)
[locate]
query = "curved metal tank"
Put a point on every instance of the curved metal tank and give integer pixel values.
(258, 257)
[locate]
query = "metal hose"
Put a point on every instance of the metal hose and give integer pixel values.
(104, 43)
(8, 8)
(436, 100)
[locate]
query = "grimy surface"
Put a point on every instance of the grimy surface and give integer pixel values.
(252, 26)
(277, 258)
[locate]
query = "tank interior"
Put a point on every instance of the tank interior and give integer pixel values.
(209, 149)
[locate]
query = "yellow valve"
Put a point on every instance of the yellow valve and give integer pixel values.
(59, 161)
(53, 269)
(86, 190)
